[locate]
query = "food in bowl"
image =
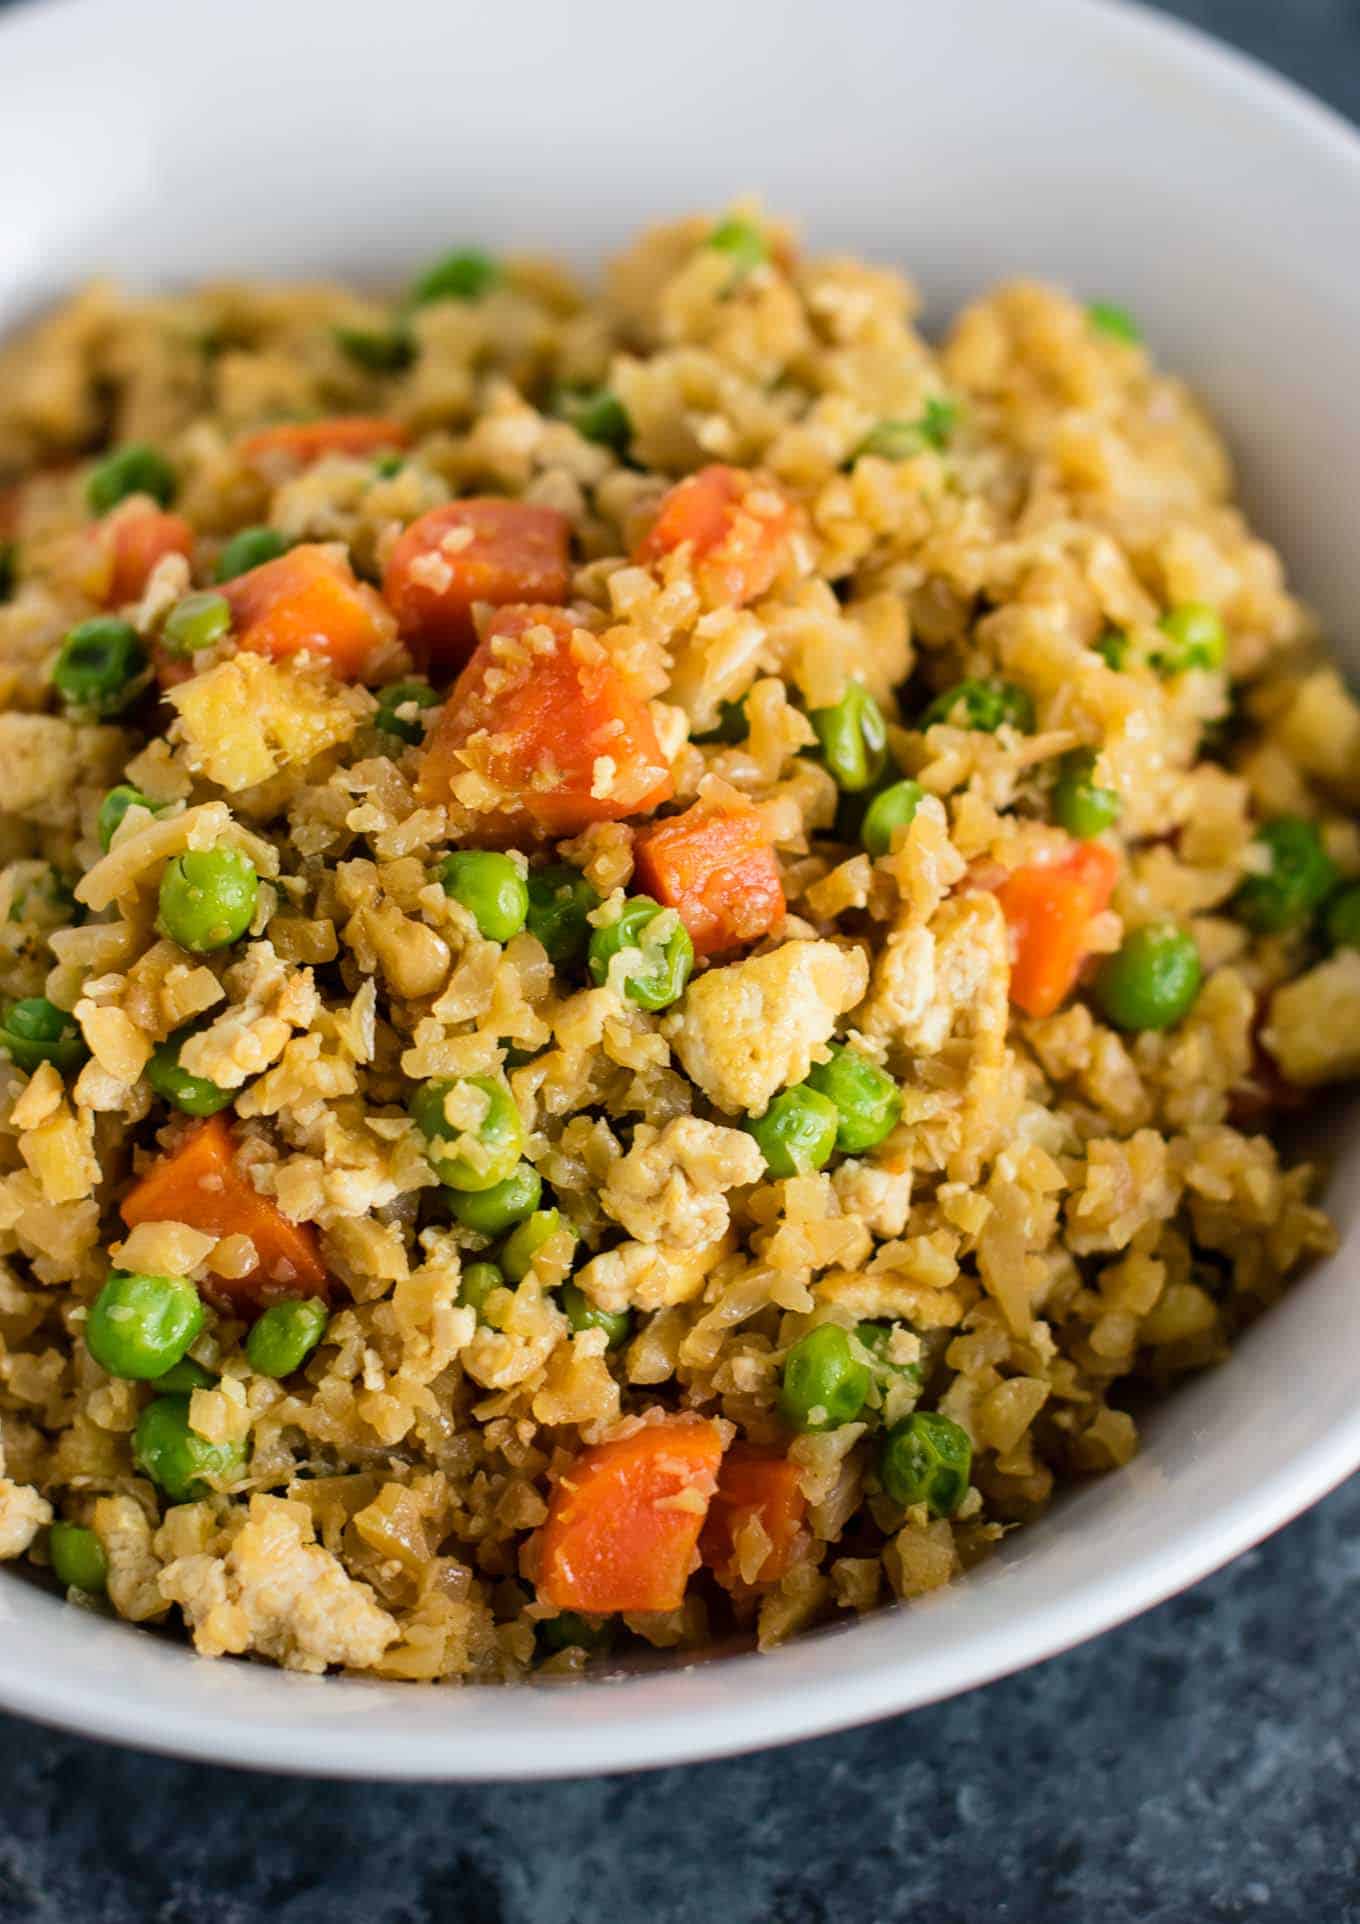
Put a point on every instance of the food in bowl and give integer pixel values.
(653, 943)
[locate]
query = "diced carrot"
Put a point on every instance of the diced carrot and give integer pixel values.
(309, 599)
(137, 541)
(1049, 907)
(198, 1183)
(470, 551)
(718, 869)
(737, 526)
(624, 1520)
(753, 1486)
(542, 728)
(296, 444)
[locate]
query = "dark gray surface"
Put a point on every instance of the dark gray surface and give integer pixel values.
(1200, 1766)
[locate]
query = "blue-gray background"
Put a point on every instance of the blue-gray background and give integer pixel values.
(1199, 1766)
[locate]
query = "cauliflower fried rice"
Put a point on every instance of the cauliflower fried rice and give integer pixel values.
(653, 942)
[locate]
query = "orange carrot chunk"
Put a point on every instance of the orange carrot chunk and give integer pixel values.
(309, 599)
(542, 730)
(296, 444)
(136, 542)
(470, 551)
(1049, 907)
(624, 1520)
(737, 526)
(753, 1488)
(198, 1183)
(718, 869)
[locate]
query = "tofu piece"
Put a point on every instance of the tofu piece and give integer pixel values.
(45, 762)
(746, 1031)
(22, 1514)
(248, 718)
(280, 1593)
(671, 1186)
(1314, 1027)
(926, 979)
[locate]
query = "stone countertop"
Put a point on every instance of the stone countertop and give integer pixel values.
(1199, 1766)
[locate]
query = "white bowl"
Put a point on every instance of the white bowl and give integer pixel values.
(1093, 143)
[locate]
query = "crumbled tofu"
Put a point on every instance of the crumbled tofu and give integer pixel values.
(271, 1000)
(123, 1529)
(748, 1030)
(278, 1593)
(648, 1275)
(45, 761)
(925, 979)
(246, 719)
(1314, 1026)
(671, 1186)
(22, 1514)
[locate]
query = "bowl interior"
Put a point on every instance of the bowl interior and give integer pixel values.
(1129, 159)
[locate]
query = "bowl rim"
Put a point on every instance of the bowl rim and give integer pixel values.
(761, 1709)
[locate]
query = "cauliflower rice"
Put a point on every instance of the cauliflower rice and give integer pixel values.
(1064, 1210)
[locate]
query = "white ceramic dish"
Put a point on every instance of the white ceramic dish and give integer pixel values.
(1095, 143)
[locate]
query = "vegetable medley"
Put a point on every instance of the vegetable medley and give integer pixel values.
(651, 943)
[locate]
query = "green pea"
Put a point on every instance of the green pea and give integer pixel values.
(1343, 918)
(1151, 980)
(853, 738)
(100, 665)
(731, 726)
(497, 1143)
(824, 1384)
(180, 1462)
(251, 548)
(1299, 878)
(867, 1101)
(560, 903)
(569, 1630)
(199, 621)
(140, 1326)
(1195, 638)
(193, 1095)
(597, 414)
(115, 806)
(983, 706)
(135, 469)
(34, 1031)
(926, 1458)
(207, 898)
(524, 1242)
(490, 887)
(381, 350)
(491, 1212)
(9, 569)
(182, 1378)
(892, 808)
(582, 1314)
(876, 1337)
(403, 694)
(899, 440)
(1079, 805)
(78, 1559)
(388, 465)
(462, 276)
(797, 1133)
(477, 1282)
(743, 243)
(666, 954)
(284, 1336)
(1113, 647)
(1114, 321)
